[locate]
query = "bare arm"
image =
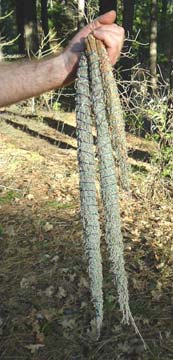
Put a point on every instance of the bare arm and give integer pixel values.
(20, 81)
(31, 78)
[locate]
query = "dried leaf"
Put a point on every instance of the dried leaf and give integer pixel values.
(61, 293)
(48, 227)
(49, 291)
(30, 197)
(68, 323)
(34, 347)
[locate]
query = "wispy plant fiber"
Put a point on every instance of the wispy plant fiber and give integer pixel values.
(114, 114)
(93, 77)
(108, 179)
(89, 208)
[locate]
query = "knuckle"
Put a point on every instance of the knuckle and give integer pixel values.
(122, 31)
(115, 42)
(116, 47)
(116, 51)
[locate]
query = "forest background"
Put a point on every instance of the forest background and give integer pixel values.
(37, 28)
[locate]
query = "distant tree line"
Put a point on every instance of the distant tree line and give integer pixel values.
(149, 23)
(153, 19)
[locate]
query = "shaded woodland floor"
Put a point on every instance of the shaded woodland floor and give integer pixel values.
(45, 307)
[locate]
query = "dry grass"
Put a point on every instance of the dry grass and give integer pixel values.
(45, 307)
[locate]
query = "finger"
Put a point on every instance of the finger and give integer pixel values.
(113, 42)
(113, 28)
(113, 54)
(110, 37)
(106, 19)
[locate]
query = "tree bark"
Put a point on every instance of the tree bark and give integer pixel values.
(153, 46)
(106, 5)
(31, 31)
(163, 14)
(81, 13)
(128, 15)
(127, 61)
(44, 20)
(20, 25)
(26, 12)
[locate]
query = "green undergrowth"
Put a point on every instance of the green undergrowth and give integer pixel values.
(59, 205)
(136, 168)
(1, 230)
(9, 196)
(45, 308)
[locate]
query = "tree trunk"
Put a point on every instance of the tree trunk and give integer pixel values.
(128, 15)
(81, 13)
(31, 31)
(127, 60)
(26, 12)
(44, 20)
(106, 5)
(163, 14)
(20, 25)
(153, 46)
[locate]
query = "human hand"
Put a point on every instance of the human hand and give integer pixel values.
(103, 28)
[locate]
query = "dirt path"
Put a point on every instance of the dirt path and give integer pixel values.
(45, 308)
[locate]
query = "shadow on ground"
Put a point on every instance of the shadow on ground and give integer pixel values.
(45, 307)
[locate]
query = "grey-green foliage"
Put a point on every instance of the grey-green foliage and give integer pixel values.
(89, 208)
(90, 95)
(114, 115)
(108, 182)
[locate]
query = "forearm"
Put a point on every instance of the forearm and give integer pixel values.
(31, 78)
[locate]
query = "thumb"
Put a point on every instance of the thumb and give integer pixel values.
(107, 18)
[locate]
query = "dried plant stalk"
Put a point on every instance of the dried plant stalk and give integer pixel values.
(89, 207)
(115, 114)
